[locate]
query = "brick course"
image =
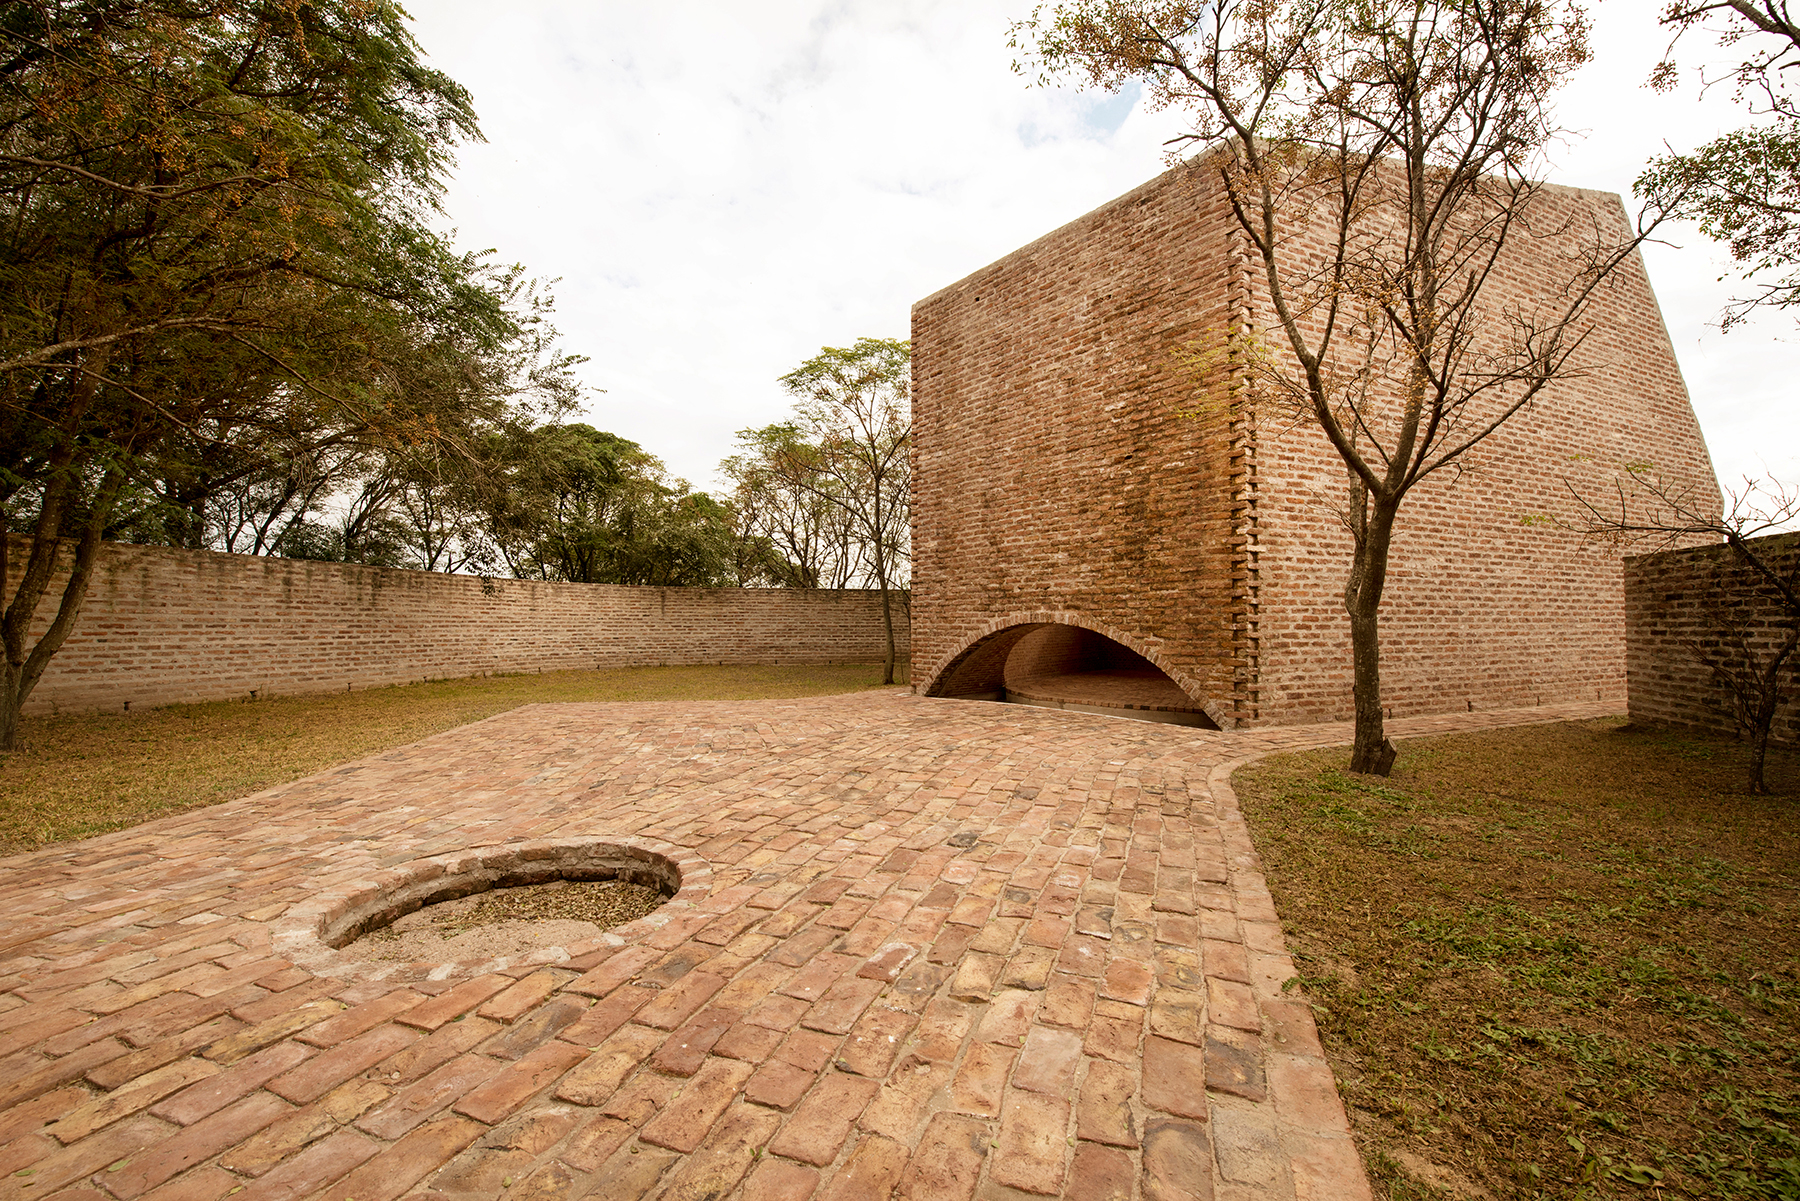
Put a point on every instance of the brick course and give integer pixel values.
(1673, 603)
(162, 626)
(1075, 465)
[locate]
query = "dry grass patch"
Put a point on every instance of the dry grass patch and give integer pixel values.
(1550, 962)
(83, 774)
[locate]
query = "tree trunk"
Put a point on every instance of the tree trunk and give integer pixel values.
(19, 670)
(1768, 702)
(887, 613)
(1372, 753)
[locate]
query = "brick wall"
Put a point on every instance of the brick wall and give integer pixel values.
(1685, 607)
(1076, 462)
(162, 626)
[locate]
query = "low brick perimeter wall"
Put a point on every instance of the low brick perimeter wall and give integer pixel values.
(163, 626)
(1682, 606)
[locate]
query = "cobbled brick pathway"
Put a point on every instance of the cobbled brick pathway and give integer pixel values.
(924, 948)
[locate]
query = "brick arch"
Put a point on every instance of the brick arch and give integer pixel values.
(976, 666)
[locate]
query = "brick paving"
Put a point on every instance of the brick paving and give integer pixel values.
(923, 948)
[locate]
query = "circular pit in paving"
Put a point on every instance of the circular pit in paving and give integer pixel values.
(329, 935)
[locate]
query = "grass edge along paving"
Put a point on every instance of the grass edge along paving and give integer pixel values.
(80, 774)
(1556, 961)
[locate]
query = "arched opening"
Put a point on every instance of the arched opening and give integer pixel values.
(1068, 667)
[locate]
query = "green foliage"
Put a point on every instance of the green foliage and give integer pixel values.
(575, 503)
(215, 266)
(1742, 188)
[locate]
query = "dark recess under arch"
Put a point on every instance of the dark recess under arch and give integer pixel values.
(1067, 667)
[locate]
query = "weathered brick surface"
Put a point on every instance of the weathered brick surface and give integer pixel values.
(162, 625)
(1077, 468)
(1164, 1057)
(1685, 610)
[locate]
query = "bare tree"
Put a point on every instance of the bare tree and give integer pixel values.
(1379, 156)
(1752, 660)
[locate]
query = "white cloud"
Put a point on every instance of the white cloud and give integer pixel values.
(724, 188)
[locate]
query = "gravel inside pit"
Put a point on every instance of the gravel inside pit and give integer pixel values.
(508, 921)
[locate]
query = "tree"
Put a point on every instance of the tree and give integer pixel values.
(1754, 662)
(579, 504)
(1743, 188)
(211, 242)
(854, 415)
(1378, 156)
(793, 534)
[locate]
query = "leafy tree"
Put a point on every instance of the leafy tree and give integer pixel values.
(1743, 188)
(853, 415)
(793, 534)
(213, 260)
(579, 504)
(1378, 157)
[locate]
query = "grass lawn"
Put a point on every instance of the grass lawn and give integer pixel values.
(1550, 962)
(84, 774)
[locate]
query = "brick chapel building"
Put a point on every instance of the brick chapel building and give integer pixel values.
(1085, 534)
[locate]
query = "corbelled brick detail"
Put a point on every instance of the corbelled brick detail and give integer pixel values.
(1684, 606)
(1091, 449)
(162, 626)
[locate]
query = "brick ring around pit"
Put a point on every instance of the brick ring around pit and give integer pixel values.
(310, 934)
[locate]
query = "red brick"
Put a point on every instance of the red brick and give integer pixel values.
(1232, 1004)
(1068, 1001)
(817, 1130)
(519, 1081)
(875, 1041)
(751, 1043)
(1174, 1078)
(438, 1048)
(202, 1184)
(1177, 1162)
(116, 1072)
(679, 1003)
(1048, 1062)
(82, 1159)
(601, 1073)
(1102, 1173)
(240, 1043)
(397, 1168)
(1103, 1111)
(780, 1180)
(947, 1163)
(842, 1005)
(683, 1123)
(199, 1142)
(328, 1069)
(521, 998)
(129, 1098)
(1007, 1017)
(981, 1079)
(352, 1022)
(423, 1098)
(595, 1143)
(1034, 1143)
(429, 1015)
(732, 1149)
(686, 1049)
(779, 1085)
(248, 1075)
(871, 1169)
(30, 1081)
(313, 1169)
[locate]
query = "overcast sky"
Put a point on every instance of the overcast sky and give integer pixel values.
(724, 188)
